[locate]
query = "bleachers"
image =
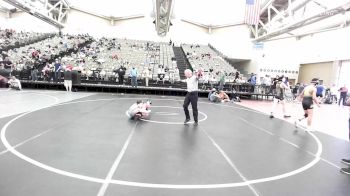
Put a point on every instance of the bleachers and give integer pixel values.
(203, 57)
(23, 60)
(106, 55)
(10, 39)
(101, 57)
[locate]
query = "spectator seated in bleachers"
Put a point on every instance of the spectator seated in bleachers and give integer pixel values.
(161, 74)
(205, 57)
(10, 39)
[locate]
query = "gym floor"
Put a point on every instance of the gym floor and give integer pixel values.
(59, 143)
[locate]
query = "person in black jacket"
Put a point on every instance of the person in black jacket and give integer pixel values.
(121, 73)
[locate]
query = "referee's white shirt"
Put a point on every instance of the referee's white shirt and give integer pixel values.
(192, 83)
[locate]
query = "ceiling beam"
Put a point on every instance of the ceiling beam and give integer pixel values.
(112, 19)
(195, 23)
(34, 12)
(163, 12)
(265, 6)
(90, 13)
(315, 18)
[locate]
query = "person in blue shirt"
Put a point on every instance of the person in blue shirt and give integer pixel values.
(319, 90)
(133, 75)
(252, 81)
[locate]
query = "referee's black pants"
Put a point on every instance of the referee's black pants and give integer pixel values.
(191, 97)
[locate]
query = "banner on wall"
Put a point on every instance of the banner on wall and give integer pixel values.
(258, 46)
(252, 12)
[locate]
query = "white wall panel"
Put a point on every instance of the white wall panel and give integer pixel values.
(24, 21)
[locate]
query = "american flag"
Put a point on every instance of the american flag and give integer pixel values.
(252, 12)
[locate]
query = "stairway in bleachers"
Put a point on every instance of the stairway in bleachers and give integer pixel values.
(181, 61)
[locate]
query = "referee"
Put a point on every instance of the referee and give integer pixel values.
(191, 96)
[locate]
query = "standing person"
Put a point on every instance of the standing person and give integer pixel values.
(46, 72)
(273, 86)
(68, 78)
(301, 89)
(267, 81)
(295, 90)
(346, 170)
(343, 93)
(236, 76)
(281, 88)
(57, 71)
(146, 75)
(121, 73)
(222, 80)
(133, 74)
(191, 96)
(252, 81)
(320, 91)
(308, 98)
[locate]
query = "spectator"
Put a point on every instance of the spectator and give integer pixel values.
(301, 88)
(161, 74)
(133, 75)
(252, 81)
(273, 85)
(343, 93)
(319, 91)
(57, 71)
(68, 78)
(295, 90)
(281, 88)
(121, 73)
(236, 75)
(222, 80)
(146, 75)
(266, 83)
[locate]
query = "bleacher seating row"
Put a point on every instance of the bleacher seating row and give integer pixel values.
(106, 55)
(10, 39)
(213, 65)
(99, 60)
